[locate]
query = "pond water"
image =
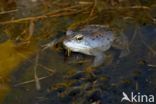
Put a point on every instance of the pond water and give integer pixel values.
(62, 79)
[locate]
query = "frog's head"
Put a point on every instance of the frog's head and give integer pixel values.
(76, 42)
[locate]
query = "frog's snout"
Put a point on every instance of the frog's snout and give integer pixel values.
(66, 43)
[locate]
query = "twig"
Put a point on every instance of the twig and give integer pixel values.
(136, 86)
(151, 65)
(31, 29)
(48, 45)
(30, 81)
(10, 11)
(150, 48)
(68, 52)
(134, 35)
(130, 7)
(42, 66)
(93, 9)
(73, 26)
(71, 8)
(64, 12)
(79, 62)
(85, 3)
(37, 82)
(36, 18)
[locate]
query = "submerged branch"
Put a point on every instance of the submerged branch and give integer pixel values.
(58, 13)
(31, 81)
(148, 47)
(129, 7)
(37, 82)
(93, 9)
(10, 11)
(40, 65)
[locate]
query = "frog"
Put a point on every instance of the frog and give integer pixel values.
(95, 40)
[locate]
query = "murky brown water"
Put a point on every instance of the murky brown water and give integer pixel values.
(63, 79)
(10, 60)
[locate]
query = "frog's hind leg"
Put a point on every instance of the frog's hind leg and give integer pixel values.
(99, 59)
(124, 51)
(122, 45)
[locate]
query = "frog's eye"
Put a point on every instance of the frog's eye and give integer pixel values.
(79, 37)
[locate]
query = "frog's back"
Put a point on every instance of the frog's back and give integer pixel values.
(99, 36)
(90, 29)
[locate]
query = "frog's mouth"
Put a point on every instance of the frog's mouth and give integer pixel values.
(75, 47)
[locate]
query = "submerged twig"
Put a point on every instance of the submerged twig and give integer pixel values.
(63, 12)
(93, 9)
(36, 78)
(10, 11)
(129, 7)
(42, 66)
(85, 2)
(134, 35)
(75, 25)
(37, 82)
(136, 86)
(31, 29)
(151, 65)
(150, 48)
(79, 62)
(68, 52)
(48, 45)
(30, 81)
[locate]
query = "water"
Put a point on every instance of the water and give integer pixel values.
(74, 82)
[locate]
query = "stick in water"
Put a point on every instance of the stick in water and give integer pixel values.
(37, 82)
